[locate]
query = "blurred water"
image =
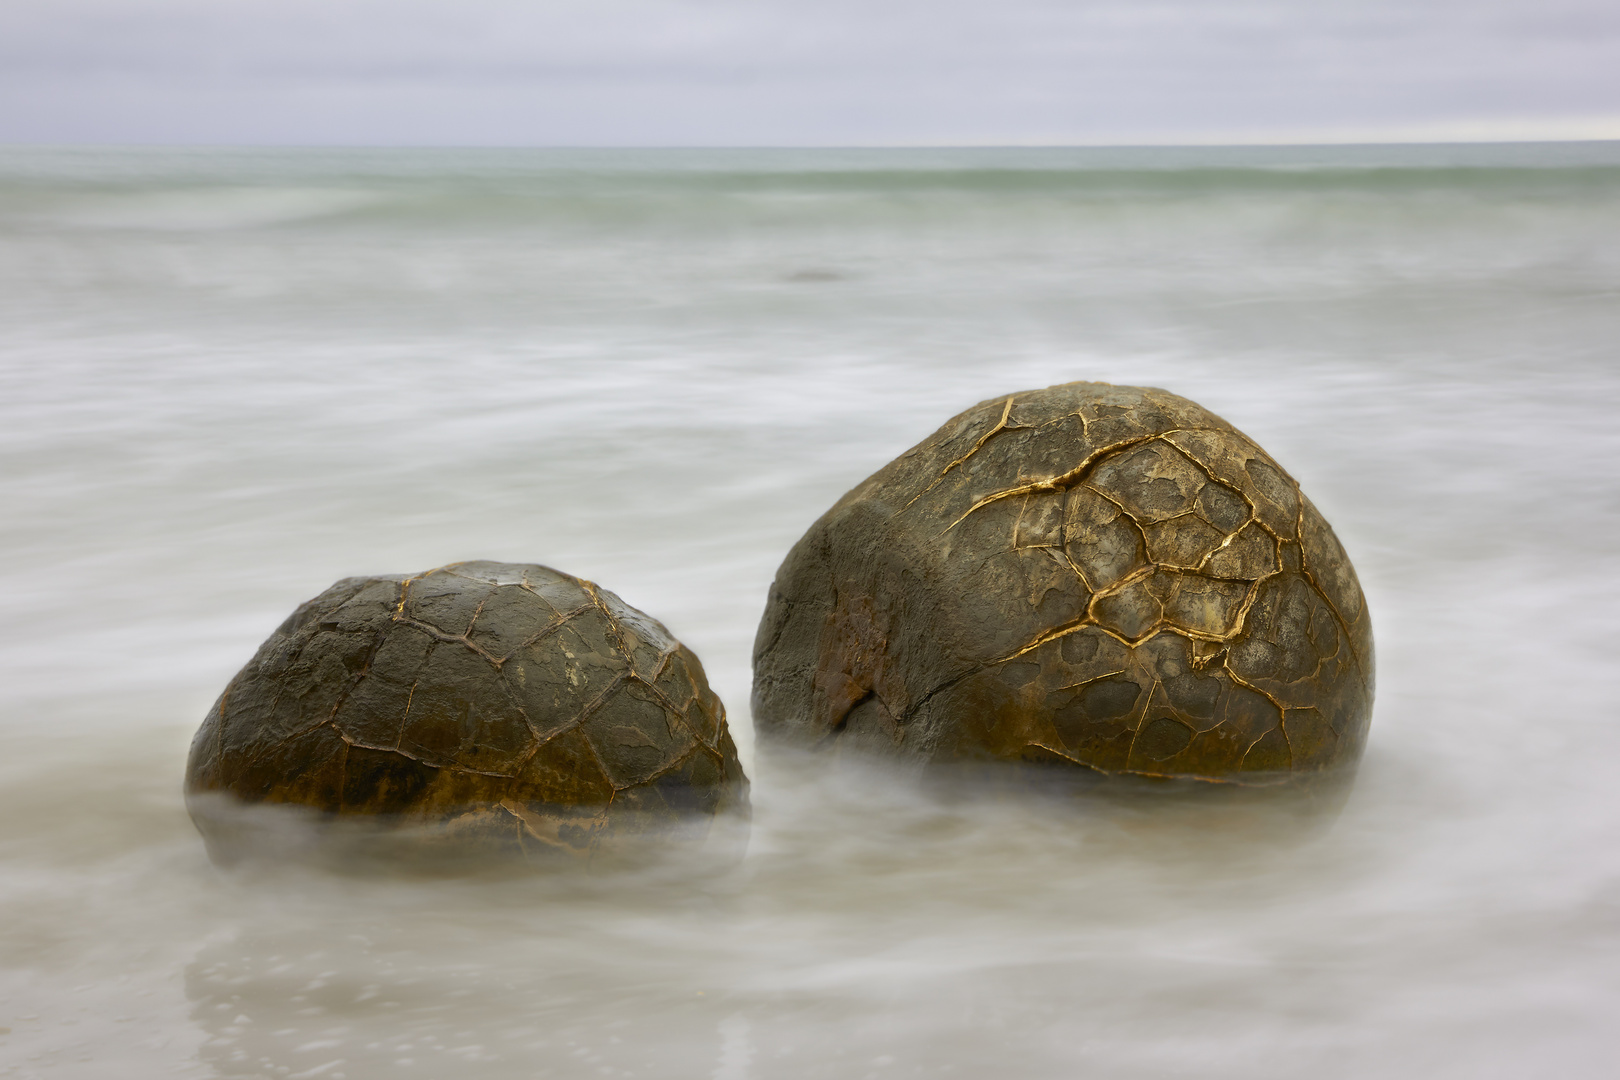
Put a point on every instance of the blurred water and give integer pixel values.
(231, 377)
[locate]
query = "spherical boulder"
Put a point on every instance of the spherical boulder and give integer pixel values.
(478, 708)
(1110, 578)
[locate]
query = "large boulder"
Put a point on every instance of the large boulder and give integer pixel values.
(478, 708)
(1106, 577)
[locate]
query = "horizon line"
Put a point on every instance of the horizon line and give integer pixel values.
(1187, 144)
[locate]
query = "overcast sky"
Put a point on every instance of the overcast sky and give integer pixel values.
(805, 72)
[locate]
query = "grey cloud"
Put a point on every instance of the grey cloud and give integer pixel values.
(724, 71)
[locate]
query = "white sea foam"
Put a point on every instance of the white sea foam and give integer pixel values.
(656, 372)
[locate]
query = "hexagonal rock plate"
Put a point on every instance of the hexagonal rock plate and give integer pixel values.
(1107, 576)
(498, 705)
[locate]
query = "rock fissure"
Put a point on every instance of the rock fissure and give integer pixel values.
(1001, 425)
(1074, 476)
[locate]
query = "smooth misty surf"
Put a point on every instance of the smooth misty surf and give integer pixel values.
(233, 377)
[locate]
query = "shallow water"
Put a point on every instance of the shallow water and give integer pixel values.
(232, 377)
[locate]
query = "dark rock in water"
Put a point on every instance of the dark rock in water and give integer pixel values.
(480, 708)
(1098, 576)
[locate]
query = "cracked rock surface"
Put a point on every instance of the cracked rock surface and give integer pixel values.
(1107, 576)
(485, 705)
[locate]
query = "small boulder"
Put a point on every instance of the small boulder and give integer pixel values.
(480, 708)
(1107, 578)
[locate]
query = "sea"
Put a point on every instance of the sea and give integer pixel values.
(229, 377)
